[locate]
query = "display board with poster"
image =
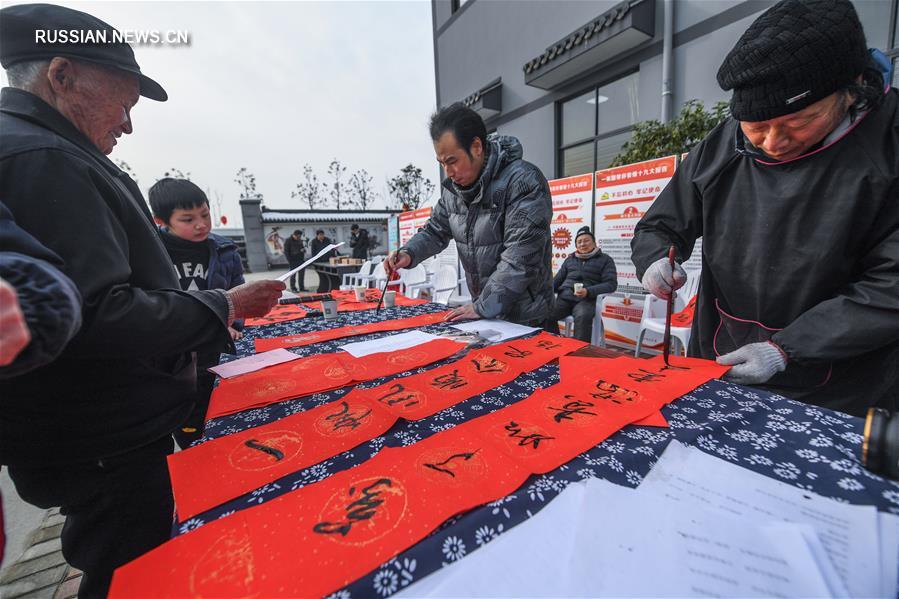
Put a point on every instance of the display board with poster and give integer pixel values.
(623, 194)
(571, 199)
(393, 234)
(411, 222)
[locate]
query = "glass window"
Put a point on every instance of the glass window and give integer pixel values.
(617, 104)
(579, 118)
(577, 160)
(608, 147)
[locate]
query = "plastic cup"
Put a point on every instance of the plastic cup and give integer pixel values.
(360, 293)
(578, 287)
(390, 299)
(329, 309)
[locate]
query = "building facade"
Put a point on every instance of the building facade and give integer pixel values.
(265, 230)
(570, 78)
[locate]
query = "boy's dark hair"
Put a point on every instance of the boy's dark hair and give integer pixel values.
(465, 123)
(319, 232)
(354, 227)
(168, 194)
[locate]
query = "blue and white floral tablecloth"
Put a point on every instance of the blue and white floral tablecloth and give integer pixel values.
(809, 447)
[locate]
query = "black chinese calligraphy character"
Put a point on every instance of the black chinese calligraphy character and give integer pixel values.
(485, 364)
(254, 444)
(644, 376)
(613, 393)
(514, 352)
(571, 408)
(343, 418)
(439, 466)
(547, 344)
(359, 510)
(533, 438)
(451, 380)
(397, 394)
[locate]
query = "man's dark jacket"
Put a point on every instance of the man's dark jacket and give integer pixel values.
(315, 246)
(804, 253)
(501, 229)
(126, 378)
(359, 243)
(294, 250)
(597, 273)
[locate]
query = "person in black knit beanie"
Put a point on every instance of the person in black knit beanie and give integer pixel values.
(796, 198)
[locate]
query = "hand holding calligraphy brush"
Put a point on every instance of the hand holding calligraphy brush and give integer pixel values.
(666, 348)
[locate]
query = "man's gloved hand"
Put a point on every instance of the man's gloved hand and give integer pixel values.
(395, 261)
(659, 279)
(754, 363)
(252, 300)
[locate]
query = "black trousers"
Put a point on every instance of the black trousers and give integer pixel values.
(116, 509)
(192, 428)
(296, 282)
(583, 312)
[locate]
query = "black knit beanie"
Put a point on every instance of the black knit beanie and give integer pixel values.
(584, 231)
(796, 53)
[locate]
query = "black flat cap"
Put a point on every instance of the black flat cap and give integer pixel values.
(796, 53)
(42, 31)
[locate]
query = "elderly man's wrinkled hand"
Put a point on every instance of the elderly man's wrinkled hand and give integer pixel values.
(395, 261)
(466, 312)
(252, 300)
(660, 280)
(754, 364)
(14, 333)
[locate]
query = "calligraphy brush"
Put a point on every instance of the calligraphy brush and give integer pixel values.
(391, 277)
(666, 348)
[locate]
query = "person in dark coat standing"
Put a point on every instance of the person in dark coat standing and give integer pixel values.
(796, 198)
(320, 242)
(585, 275)
(359, 242)
(90, 431)
(497, 208)
(295, 252)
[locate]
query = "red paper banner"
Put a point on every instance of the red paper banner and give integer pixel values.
(321, 537)
(346, 301)
(319, 373)
(280, 313)
(210, 474)
(352, 331)
(684, 318)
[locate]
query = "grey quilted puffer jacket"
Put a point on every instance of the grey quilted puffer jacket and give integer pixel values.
(501, 228)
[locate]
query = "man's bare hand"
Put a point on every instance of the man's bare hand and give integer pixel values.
(581, 293)
(235, 334)
(252, 300)
(466, 312)
(395, 261)
(14, 333)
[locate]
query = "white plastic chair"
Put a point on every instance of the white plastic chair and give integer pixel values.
(412, 279)
(598, 332)
(461, 294)
(653, 318)
(440, 285)
(353, 279)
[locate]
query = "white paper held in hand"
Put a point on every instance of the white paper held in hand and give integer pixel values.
(325, 250)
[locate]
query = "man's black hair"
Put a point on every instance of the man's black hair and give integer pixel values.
(168, 194)
(319, 232)
(354, 227)
(465, 124)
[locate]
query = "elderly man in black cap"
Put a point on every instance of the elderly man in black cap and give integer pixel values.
(584, 275)
(797, 201)
(90, 432)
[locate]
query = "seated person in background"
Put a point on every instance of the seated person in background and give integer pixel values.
(585, 274)
(202, 260)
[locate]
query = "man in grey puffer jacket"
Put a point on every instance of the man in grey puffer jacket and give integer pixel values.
(497, 208)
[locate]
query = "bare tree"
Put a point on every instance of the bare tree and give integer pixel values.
(409, 189)
(215, 206)
(247, 182)
(337, 189)
(176, 173)
(309, 191)
(361, 184)
(126, 168)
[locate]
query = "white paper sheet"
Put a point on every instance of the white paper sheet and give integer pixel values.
(325, 250)
(848, 532)
(632, 543)
(527, 561)
(253, 363)
(495, 330)
(889, 554)
(391, 343)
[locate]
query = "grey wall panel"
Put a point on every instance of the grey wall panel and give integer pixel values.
(535, 132)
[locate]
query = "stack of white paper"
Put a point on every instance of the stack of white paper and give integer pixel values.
(495, 330)
(697, 526)
(389, 343)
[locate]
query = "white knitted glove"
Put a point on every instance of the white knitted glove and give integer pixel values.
(754, 363)
(659, 280)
